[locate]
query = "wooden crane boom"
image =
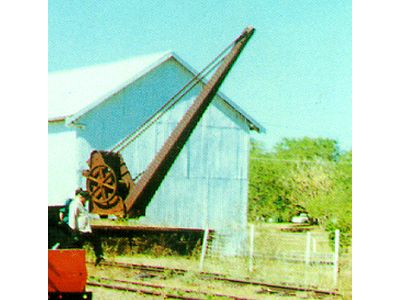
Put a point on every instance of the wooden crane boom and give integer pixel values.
(162, 162)
(108, 180)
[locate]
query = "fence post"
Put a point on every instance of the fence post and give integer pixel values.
(308, 247)
(203, 248)
(336, 257)
(251, 249)
(314, 240)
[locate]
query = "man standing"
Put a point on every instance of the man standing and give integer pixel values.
(78, 220)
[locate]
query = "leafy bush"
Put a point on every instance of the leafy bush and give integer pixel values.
(157, 244)
(302, 175)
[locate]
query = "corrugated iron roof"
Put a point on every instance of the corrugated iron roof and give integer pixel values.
(72, 93)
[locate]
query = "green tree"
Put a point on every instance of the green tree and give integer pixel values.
(302, 175)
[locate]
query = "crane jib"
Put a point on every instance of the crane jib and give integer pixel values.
(162, 162)
(108, 180)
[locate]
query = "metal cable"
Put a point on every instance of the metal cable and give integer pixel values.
(167, 106)
(132, 137)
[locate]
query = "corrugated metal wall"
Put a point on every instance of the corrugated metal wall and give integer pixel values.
(207, 183)
(62, 164)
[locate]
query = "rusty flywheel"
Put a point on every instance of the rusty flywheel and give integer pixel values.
(102, 184)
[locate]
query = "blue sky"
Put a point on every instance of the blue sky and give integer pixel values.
(294, 76)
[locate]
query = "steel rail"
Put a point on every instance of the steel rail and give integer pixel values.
(222, 277)
(279, 287)
(175, 289)
(141, 291)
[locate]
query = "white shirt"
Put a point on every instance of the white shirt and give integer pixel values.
(78, 216)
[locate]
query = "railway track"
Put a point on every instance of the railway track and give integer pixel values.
(157, 289)
(153, 271)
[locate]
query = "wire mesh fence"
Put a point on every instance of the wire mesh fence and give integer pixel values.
(305, 258)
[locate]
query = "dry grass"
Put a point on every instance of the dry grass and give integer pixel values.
(190, 280)
(272, 271)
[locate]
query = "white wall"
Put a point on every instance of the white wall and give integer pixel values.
(206, 184)
(214, 158)
(62, 163)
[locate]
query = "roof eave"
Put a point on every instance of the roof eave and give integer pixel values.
(253, 124)
(73, 118)
(57, 120)
(69, 120)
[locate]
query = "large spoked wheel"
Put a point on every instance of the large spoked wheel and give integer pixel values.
(101, 184)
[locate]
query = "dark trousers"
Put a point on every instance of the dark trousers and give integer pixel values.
(61, 234)
(94, 240)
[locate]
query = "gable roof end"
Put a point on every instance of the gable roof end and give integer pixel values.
(73, 93)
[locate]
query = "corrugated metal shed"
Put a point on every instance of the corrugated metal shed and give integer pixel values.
(73, 93)
(207, 185)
